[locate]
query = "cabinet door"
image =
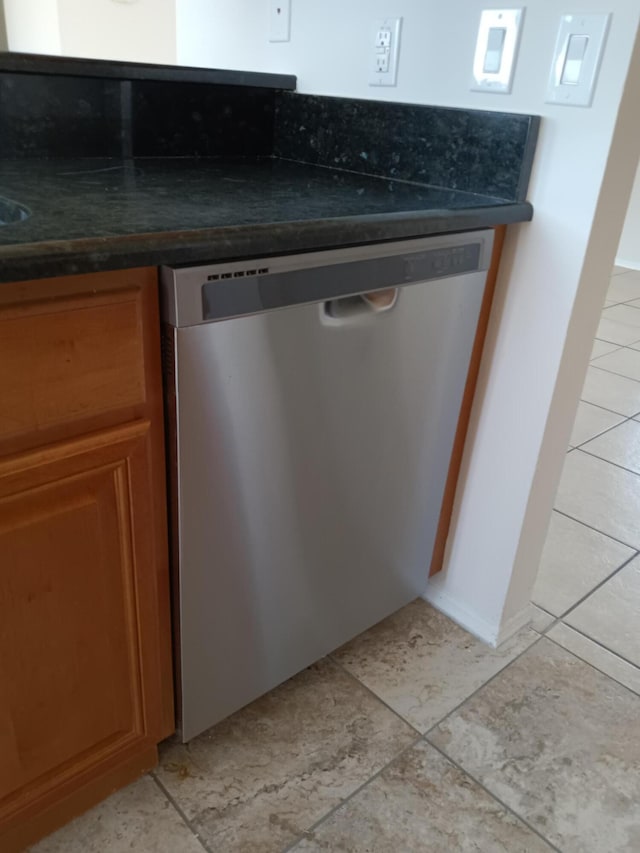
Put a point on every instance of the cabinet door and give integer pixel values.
(80, 635)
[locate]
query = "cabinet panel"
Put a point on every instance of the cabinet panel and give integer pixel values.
(78, 640)
(69, 360)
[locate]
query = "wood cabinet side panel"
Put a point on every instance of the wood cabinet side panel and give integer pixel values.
(446, 511)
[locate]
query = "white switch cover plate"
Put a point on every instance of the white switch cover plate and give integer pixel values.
(279, 20)
(384, 50)
(496, 50)
(576, 59)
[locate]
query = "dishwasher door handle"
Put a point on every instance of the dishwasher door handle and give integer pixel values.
(373, 302)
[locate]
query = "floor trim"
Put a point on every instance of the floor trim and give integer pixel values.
(630, 265)
(492, 633)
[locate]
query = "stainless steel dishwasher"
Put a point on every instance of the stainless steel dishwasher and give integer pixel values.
(312, 402)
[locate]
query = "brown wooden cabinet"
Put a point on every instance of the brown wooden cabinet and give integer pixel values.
(85, 666)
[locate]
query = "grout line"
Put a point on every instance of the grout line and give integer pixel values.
(624, 420)
(353, 794)
(484, 683)
(597, 587)
(604, 408)
(375, 695)
(601, 645)
(552, 624)
(608, 461)
(627, 304)
(595, 529)
(593, 666)
(540, 607)
(614, 343)
(617, 372)
(492, 795)
(604, 370)
(175, 805)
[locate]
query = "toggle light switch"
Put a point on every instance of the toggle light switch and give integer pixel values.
(496, 49)
(576, 59)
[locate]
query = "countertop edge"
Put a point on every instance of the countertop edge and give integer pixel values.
(71, 66)
(21, 262)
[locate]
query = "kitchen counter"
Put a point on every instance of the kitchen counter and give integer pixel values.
(92, 214)
(127, 165)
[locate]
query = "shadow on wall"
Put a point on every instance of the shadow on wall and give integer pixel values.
(629, 248)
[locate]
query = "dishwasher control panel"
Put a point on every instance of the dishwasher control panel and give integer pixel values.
(219, 291)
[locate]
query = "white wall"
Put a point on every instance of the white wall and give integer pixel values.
(4, 44)
(629, 248)
(143, 31)
(32, 25)
(554, 273)
(222, 33)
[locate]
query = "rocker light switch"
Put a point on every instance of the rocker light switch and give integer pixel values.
(496, 50)
(493, 56)
(576, 50)
(576, 59)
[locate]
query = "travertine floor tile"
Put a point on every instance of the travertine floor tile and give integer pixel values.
(628, 314)
(557, 741)
(624, 287)
(613, 392)
(601, 495)
(615, 332)
(597, 656)
(620, 445)
(591, 421)
(423, 665)
(540, 620)
(624, 361)
(255, 782)
(602, 348)
(611, 615)
(138, 818)
(422, 803)
(574, 561)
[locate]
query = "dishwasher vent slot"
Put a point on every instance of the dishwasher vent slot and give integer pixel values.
(238, 274)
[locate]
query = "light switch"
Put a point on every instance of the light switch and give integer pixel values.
(576, 59)
(493, 56)
(576, 50)
(496, 49)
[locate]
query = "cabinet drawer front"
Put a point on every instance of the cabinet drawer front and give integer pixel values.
(70, 361)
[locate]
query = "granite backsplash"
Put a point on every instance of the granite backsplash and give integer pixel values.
(176, 113)
(474, 151)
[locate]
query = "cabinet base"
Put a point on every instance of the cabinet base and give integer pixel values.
(35, 822)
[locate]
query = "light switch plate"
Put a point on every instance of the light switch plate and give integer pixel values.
(384, 51)
(279, 20)
(575, 65)
(496, 50)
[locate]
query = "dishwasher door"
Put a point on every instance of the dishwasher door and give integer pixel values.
(312, 446)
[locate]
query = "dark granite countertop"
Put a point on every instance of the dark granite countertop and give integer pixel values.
(89, 215)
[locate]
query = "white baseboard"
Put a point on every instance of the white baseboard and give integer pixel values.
(625, 262)
(494, 634)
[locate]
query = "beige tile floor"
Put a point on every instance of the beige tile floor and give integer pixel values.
(417, 737)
